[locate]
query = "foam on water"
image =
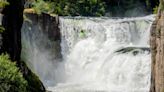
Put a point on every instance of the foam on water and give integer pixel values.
(92, 63)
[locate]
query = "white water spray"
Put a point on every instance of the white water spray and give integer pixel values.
(113, 55)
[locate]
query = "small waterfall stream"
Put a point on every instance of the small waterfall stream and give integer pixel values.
(111, 55)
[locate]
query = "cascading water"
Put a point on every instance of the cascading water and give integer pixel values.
(112, 55)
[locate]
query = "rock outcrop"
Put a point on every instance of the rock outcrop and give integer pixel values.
(47, 23)
(40, 35)
(157, 50)
(44, 30)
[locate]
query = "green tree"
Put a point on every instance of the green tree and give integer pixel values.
(71, 7)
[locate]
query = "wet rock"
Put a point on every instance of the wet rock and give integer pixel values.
(133, 50)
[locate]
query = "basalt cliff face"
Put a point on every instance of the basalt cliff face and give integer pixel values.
(41, 38)
(41, 31)
(44, 22)
(157, 50)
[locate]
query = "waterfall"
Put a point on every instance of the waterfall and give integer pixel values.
(98, 55)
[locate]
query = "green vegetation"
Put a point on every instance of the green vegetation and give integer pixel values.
(3, 3)
(82, 34)
(2, 29)
(130, 7)
(155, 10)
(94, 7)
(67, 7)
(41, 6)
(11, 78)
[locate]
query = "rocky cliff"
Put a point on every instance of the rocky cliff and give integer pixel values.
(47, 23)
(40, 37)
(157, 50)
(42, 31)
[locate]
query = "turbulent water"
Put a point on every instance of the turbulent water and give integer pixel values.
(111, 55)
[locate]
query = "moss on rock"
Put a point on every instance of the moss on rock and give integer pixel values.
(34, 83)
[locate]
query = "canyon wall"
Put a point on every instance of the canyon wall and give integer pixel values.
(157, 50)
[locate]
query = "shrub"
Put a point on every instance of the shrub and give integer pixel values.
(11, 79)
(85, 8)
(3, 3)
(155, 10)
(41, 6)
(69, 7)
